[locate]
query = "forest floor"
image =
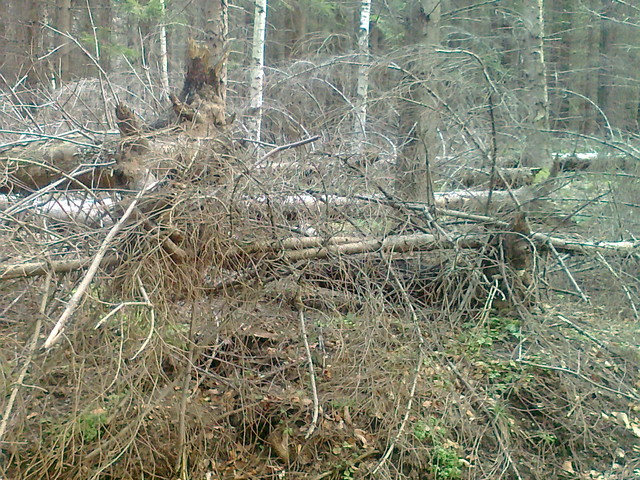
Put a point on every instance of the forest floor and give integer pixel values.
(232, 336)
(224, 390)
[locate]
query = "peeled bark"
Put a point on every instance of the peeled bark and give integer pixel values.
(203, 96)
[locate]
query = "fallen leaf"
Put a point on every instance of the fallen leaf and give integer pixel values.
(568, 467)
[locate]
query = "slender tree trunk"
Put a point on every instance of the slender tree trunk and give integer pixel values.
(419, 118)
(35, 40)
(254, 123)
(582, 76)
(536, 152)
(105, 19)
(363, 75)
(164, 59)
(295, 26)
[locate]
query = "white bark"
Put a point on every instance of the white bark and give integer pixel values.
(254, 123)
(164, 60)
(363, 75)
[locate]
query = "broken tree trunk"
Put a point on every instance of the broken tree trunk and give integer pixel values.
(202, 100)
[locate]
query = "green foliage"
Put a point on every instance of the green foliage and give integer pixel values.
(176, 334)
(113, 50)
(348, 321)
(91, 423)
(347, 474)
(446, 463)
(392, 30)
(445, 460)
(152, 10)
(107, 50)
(428, 430)
(319, 7)
(547, 438)
(497, 329)
(541, 176)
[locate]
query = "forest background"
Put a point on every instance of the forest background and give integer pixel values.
(408, 248)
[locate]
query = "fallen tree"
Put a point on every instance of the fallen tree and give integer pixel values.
(299, 248)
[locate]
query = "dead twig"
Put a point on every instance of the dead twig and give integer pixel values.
(624, 287)
(412, 393)
(58, 329)
(287, 147)
(312, 374)
(568, 272)
(628, 396)
(181, 463)
(27, 362)
(152, 311)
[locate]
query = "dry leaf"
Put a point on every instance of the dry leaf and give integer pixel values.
(568, 467)
(360, 435)
(279, 442)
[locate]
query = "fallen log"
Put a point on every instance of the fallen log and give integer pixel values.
(307, 248)
(34, 269)
(293, 205)
(602, 162)
(502, 178)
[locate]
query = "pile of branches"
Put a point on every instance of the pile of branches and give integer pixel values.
(178, 304)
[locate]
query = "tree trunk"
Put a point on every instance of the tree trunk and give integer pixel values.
(363, 76)
(536, 153)
(254, 122)
(105, 20)
(216, 29)
(419, 117)
(582, 77)
(164, 59)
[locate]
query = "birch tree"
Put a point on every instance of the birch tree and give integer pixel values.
(363, 75)
(254, 123)
(164, 59)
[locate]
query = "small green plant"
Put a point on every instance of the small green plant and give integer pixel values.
(422, 431)
(445, 461)
(542, 175)
(446, 464)
(547, 438)
(91, 423)
(347, 473)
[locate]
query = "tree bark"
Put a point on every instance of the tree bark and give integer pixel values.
(64, 25)
(216, 30)
(164, 59)
(254, 122)
(360, 127)
(419, 118)
(536, 121)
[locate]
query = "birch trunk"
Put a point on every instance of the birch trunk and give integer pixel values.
(363, 75)
(164, 60)
(254, 122)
